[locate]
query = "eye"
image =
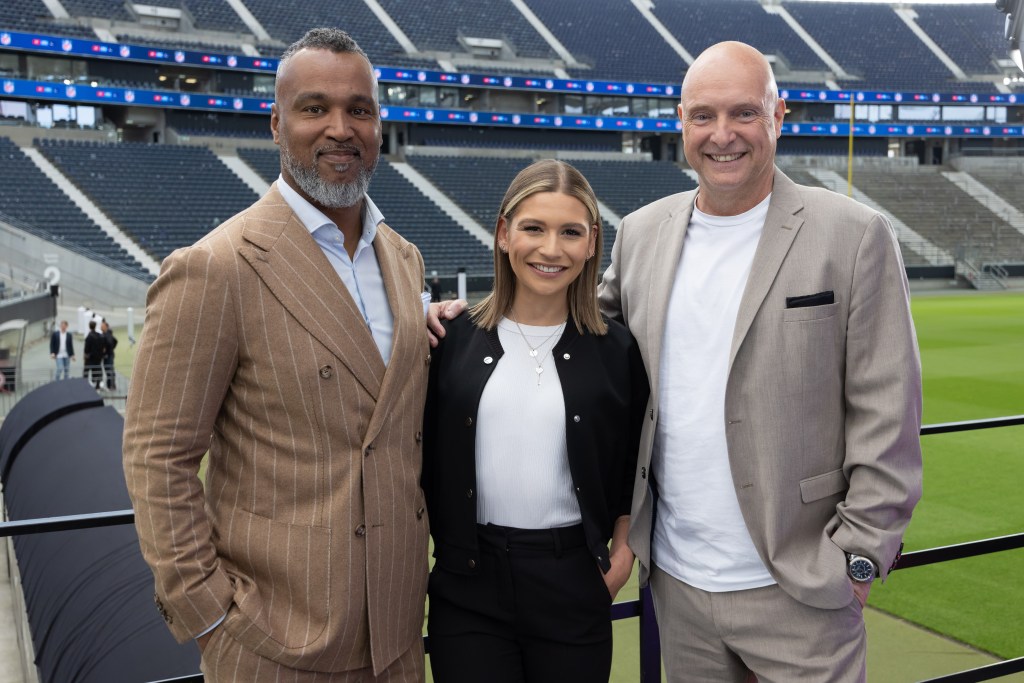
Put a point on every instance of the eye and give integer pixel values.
(700, 118)
(748, 114)
(572, 232)
(530, 228)
(313, 109)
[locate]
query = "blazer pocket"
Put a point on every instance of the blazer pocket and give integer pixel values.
(823, 485)
(792, 315)
(282, 589)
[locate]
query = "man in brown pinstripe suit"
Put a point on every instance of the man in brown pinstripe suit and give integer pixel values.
(289, 344)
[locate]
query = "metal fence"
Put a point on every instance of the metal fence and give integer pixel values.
(650, 650)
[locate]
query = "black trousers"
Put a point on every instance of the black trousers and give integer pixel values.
(94, 373)
(537, 611)
(108, 370)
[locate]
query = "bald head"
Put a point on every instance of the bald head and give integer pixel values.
(724, 59)
(731, 116)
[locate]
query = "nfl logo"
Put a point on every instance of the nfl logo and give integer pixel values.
(179, 56)
(237, 104)
(66, 45)
(558, 120)
(430, 115)
(473, 118)
(5, 38)
(8, 87)
(507, 82)
(125, 51)
(232, 61)
(599, 123)
(516, 119)
(70, 91)
(185, 100)
(129, 95)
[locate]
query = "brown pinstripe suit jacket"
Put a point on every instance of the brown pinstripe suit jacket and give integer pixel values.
(311, 533)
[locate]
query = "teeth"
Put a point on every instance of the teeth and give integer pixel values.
(725, 157)
(548, 269)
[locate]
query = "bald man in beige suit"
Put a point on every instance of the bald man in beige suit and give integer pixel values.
(289, 344)
(780, 460)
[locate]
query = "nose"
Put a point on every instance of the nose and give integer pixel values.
(549, 244)
(338, 127)
(723, 133)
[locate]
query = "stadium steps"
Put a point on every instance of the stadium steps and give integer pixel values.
(907, 236)
(987, 198)
(91, 210)
(245, 173)
(443, 202)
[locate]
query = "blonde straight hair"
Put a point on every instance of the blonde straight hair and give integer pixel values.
(547, 175)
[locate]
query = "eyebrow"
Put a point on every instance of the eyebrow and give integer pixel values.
(317, 96)
(525, 219)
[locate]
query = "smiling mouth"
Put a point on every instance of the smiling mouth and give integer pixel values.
(726, 157)
(547, 269)
(338, 156)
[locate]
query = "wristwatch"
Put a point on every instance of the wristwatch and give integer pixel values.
(860, 568)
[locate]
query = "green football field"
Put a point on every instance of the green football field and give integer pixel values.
(972, 357)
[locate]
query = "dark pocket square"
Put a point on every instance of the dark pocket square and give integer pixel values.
(807, 300)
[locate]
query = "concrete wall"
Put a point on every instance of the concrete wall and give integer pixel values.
(83, 282)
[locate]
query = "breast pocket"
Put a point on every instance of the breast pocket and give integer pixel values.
(795, 315)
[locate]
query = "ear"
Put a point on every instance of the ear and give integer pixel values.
(275, 123)
(779, 114)
(593, 239)
(501, 234)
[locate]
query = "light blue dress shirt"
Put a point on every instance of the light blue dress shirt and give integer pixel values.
(360, 273)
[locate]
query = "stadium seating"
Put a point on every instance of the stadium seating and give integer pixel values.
(884, 54)
(476, 184)
(217, 124)
(285, 23)
(32, 199)
(971, 35)
(266, 162)
(1009, 187)
(32, 16)
(437, 25)
(698, 24)
(613, 38)
(943, 213)
(211, 15)
(164, 196)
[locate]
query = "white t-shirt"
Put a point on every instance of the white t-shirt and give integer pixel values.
(522, 463)
(700, 537)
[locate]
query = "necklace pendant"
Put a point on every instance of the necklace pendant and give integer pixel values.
(539, 370)
(533, 353)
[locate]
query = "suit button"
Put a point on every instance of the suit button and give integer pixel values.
(575, 418)
(369, 449)
(419, 437)
(566, 356)
(427, 361)
(326, 371)
(643, 472)
(650, 413)
(361, 530)
(419, 513)
(488, 360)
(469, 422)
(472, 564)
(469, 493)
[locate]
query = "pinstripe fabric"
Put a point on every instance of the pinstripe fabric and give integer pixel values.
(311, 535)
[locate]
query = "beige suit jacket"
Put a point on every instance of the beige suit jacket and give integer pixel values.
(310, 533)
(822, 404)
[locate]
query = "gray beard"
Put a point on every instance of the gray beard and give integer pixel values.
(329, 195)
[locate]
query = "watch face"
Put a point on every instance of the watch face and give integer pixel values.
(861, 569)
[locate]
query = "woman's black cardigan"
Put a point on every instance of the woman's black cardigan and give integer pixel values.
(605, 388)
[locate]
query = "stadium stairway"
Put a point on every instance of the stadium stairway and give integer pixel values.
(908, 237)
(987, 198)
(91, 210)
(245, 172)
(443, 202)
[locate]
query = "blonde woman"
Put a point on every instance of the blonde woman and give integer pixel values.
(532, 427)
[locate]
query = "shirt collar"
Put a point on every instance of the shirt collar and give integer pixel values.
(313, 218)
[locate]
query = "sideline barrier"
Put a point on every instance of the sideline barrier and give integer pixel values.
(650, 650)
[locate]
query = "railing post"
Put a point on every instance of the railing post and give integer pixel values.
(650, 641)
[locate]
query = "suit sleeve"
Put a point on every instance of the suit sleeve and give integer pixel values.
(639, 393)
(883, 404)
(609, 292)
(183, 368)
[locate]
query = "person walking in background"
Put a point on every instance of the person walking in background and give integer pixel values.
(780, 460)
(289, 343)
(94, 350)
(110, 343)
(531, 431)
(62, 350)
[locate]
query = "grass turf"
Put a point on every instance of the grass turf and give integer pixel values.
(972, 357)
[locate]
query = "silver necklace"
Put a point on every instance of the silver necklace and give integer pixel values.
(535, 351)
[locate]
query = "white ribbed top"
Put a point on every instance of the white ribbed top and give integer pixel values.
(522, 466)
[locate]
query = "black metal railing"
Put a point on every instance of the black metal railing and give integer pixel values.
(650, 650)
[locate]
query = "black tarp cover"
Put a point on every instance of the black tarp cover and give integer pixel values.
(88, 593)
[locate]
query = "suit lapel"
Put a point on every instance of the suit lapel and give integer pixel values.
(666, 251)
(407, 312)
(780, 229)
(293, 266)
